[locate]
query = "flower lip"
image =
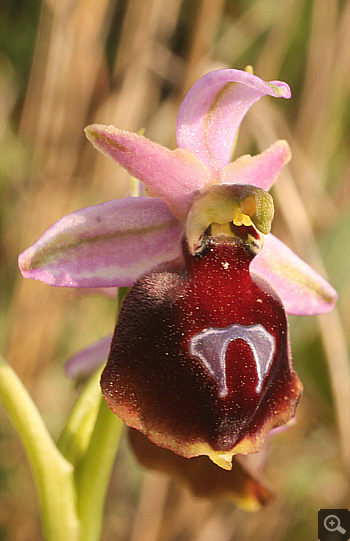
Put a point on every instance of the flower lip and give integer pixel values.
(220, 375)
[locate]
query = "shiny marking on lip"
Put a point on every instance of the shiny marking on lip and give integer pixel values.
(210, 347)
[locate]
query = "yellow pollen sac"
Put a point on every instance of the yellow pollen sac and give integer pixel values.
(246, 220)
(241, 219)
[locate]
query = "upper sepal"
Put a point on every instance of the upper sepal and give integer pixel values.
(213, 109)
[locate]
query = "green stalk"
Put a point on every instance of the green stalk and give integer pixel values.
(53, 474)
(94, 472)
(76, 434)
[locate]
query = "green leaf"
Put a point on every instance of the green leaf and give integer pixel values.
(53, 474)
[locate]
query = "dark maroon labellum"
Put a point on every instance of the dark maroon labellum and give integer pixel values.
(200, 358)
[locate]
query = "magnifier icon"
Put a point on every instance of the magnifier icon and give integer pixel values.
(332, 524)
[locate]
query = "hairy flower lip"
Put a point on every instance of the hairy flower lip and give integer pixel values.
(216, 286)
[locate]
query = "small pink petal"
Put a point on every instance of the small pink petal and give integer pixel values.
(302, 290)
(261, 170)
(173, 175)
(212, 111)
(106, 245)
(89, 359)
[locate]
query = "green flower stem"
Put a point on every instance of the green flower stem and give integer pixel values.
(53, 474)
(76, 434)
(94, 472)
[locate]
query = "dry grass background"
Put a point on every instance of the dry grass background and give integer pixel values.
(67, 63)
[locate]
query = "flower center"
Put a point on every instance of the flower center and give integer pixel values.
(238, 211)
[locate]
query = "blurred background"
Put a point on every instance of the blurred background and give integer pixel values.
(68, 63)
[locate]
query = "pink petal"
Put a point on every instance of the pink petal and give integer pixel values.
(261, 170)
(106, 245)
(89, 359)
(302, 290)
(172, 175)
(212, 111)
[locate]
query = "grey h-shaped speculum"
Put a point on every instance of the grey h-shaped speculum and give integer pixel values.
(210, 347)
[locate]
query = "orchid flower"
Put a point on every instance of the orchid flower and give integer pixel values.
(200, 359)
